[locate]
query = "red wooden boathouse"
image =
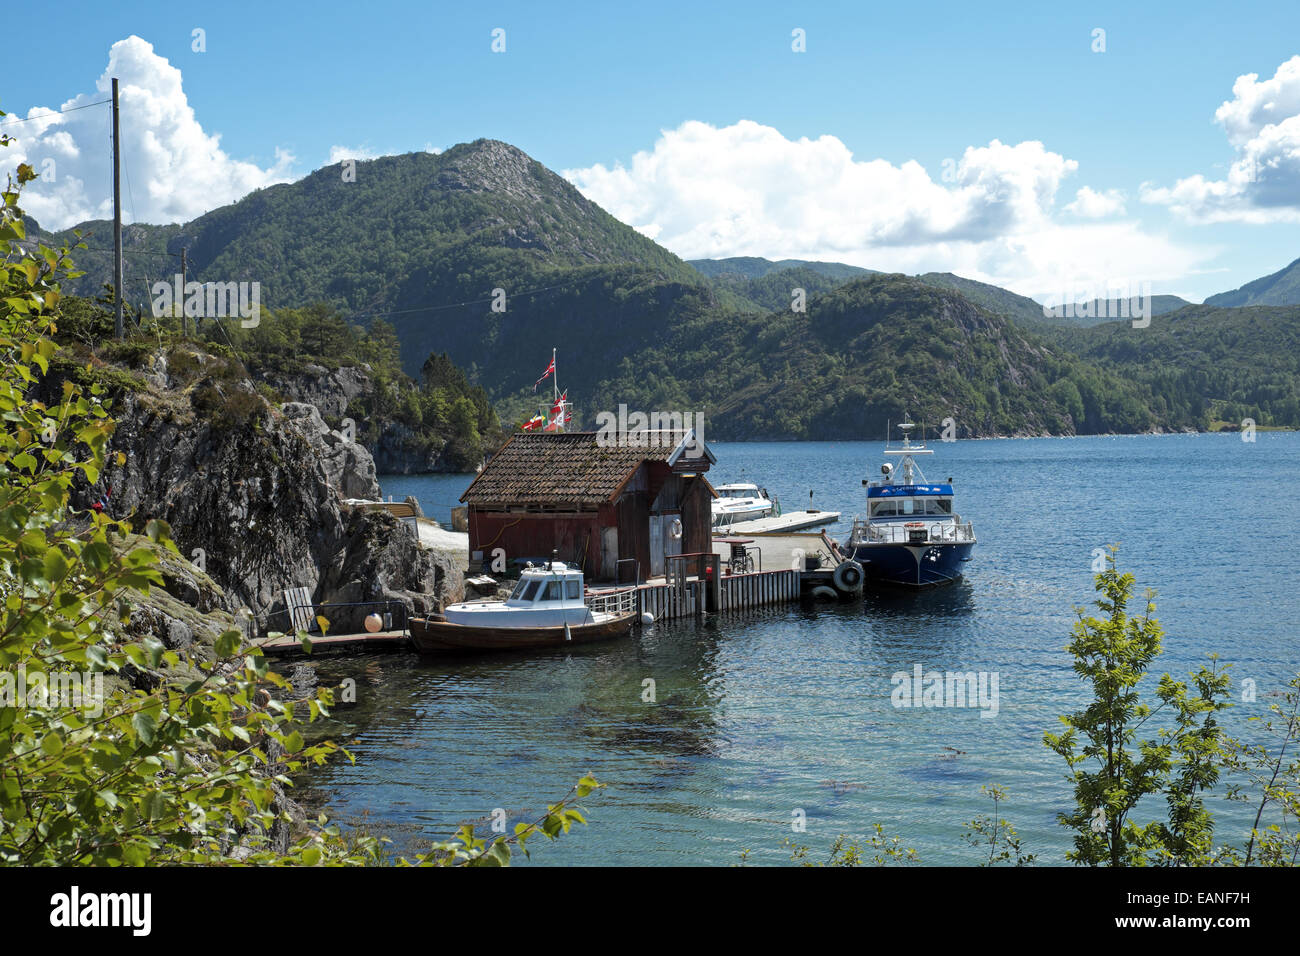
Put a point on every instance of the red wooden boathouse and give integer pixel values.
(594, 502)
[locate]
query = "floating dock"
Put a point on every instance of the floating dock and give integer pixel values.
(287, 644)
(790, 521)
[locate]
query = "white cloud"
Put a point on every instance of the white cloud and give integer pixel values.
(1262, 122)
(172, 169)
(747, 190)
(1091, 204)
(340, 153)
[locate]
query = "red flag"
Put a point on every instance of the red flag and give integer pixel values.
(545, 375)
(533, 423)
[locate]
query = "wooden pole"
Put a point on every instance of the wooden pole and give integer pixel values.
(119, 324)
(185, 324)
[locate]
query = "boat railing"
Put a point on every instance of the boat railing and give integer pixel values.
(908, 532)
(618, 601)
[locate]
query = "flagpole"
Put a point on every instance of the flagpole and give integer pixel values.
(555, 387)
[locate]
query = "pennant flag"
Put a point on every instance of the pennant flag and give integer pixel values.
(533, 423)
(545, 375)
(559, 403)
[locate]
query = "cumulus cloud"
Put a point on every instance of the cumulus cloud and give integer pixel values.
(747, 190)
(173, 170)
(1262, 123)
(340, 153)
(1091, 204)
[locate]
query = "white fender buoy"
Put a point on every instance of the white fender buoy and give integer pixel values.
(823, 593)
(848, 576)
(675, 529)
(647, 618)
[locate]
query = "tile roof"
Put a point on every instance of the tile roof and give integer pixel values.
(569, 468)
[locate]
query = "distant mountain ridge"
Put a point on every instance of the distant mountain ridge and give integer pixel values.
(485, 255)
(1280, 288)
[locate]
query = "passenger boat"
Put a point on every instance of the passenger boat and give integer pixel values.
(911, 535)
(549, 607)
(741, 501)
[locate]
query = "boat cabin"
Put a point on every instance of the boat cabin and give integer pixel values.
(909, 502)
(558, 586)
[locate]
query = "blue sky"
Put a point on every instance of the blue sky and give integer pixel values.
(286, 86)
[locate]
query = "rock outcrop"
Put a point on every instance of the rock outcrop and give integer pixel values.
(253, 493)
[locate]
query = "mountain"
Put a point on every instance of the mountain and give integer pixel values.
(997, 300)
(1202, 365)
(766, 284)
(411, 235)
(1280, 288)
(1098, 311)
(435, 245)
(874, 349)
(754, 267)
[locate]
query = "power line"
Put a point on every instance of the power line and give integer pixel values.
(70, 109)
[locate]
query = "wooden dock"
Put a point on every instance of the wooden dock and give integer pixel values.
(734, 592)
(323, 644)
(775, 524)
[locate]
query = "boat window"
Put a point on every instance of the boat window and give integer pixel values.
(938, 506)
(518, 592)
(883, 509)
(532, 590)
(573, 589)
(553, 591)
(907, 506)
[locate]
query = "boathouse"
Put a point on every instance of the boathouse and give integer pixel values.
(612, 505)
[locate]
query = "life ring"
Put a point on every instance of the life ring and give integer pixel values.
(848, 576)
(675, 529)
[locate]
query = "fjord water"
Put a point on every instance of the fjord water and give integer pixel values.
(788, 709)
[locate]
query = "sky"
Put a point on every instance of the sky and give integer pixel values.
(1056, 150)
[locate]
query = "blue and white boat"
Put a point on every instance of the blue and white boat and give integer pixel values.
(910, 535)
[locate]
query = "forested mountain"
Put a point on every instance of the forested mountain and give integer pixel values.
(484, 256)
(875, 349)
(1201, 365)
(1280, 288)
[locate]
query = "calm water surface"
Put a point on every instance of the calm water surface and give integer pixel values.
(789, 708)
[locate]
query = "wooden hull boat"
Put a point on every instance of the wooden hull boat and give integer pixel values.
(434, 635)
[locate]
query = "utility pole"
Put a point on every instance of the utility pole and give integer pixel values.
(119, 325)
(185, 325)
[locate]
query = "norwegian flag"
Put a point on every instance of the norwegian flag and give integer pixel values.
(545, 375)
(533, 422)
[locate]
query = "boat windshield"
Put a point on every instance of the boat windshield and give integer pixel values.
(525, 590)
(893, 507)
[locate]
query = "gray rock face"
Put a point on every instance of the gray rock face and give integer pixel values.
(400, 452)
(348, 466)
(330, 391)
(253, 496)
